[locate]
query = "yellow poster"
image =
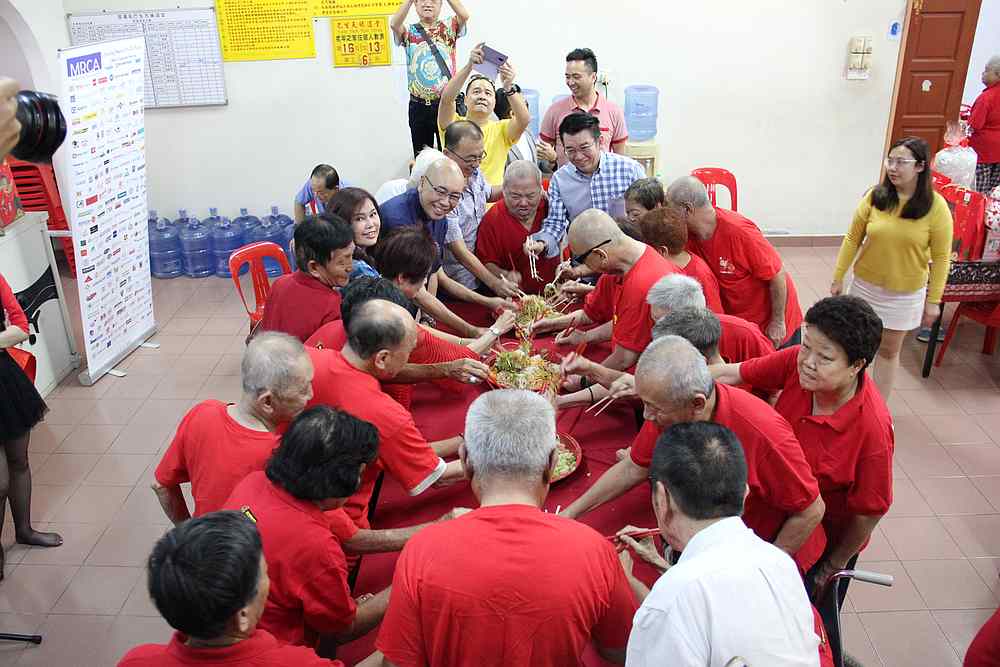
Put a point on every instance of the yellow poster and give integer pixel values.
(266, 29)
(340, 8)
(361, 42)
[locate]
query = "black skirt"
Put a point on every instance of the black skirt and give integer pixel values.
(21, 406)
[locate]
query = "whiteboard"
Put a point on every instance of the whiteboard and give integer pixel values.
(183, 60)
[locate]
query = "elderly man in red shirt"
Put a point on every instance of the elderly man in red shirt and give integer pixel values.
(548, 586)
(208, 578)
(302, 302)
(507, 225)
(217, 445)
(672, 379)
(984, 121)
(380, 339)
(752, 281)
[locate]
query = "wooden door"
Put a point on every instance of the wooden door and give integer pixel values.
(930, 79)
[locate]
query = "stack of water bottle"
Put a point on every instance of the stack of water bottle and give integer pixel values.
(201, 248)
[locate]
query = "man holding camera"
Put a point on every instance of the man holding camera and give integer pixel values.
(10, 129)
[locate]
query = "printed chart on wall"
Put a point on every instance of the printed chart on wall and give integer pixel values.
(183, 59)
(266, 29)
(341, 8)
(103, 179)
(361, 42)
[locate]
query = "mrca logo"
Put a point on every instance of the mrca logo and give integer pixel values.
(83, 64)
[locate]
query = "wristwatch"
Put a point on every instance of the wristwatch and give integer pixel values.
(514, 88)
(494, 332)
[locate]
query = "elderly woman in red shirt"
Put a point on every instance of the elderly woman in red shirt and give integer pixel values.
(21, 407)
(839, 418)
(984, 121)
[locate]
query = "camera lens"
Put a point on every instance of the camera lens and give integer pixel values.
(43, 127)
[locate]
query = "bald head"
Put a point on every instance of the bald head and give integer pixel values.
(687, 191)
(378, 325)
(445, 173)
(592, 227)
(441, 188)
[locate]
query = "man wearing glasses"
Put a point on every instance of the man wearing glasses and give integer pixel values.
(591, 179)
(427, 206)
(463, 141)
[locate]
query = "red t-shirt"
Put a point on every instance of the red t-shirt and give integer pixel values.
(213, 452)
(780, 481)
(299, 304)
(309, 594)
(744, 264)
(849, 452)
(633, 325)
(402, 450)
(501, 239)
(697, 268)
(555, 584)
(984, 651)
(260, 649)
(11, 313)
(599, 304)
(741, 340)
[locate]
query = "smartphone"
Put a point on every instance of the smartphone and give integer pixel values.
(492, 60)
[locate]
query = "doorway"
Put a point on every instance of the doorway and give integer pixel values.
(933, 63)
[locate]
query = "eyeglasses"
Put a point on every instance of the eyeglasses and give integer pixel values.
(582, 257)
(453, 197)
(571, 152)
(472, 160)
(898, 162)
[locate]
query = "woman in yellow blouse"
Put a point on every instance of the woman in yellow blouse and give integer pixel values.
(900, 226)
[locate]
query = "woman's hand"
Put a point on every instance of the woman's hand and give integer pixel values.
(931, 313)
(505, 322)
(836, 288)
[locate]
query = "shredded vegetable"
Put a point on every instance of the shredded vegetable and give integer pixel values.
(519, 369)
(565, 462)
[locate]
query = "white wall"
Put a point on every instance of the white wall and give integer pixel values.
(986, 45)
(15, 63)
(756, 87)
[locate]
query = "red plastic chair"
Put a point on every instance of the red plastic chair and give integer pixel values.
(940, 180)
(254, 254)
(986, 313)
(713, 176)
(969, 216)
(38, 191)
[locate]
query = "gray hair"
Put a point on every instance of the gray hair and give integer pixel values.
(993, 64)
(421, 163)
(698, 326)
(677, 367)
(522, 169)
(674, 291)
(270, 363)
(510, 433)
(687, 191)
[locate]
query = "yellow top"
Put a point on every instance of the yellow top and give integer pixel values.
(896, 251)
(496, 144)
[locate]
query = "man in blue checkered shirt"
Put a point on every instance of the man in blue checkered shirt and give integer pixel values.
(590, 179)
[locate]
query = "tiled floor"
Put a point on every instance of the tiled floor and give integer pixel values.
(93, 457)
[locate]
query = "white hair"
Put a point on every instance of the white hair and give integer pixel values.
(677, 367)
(687, 191)
(421, 164)
(674, 291)
(270, 363)
(510, 433)
(993, 64)
(522, 169)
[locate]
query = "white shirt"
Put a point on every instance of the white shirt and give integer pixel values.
(390, 189)
(730, 594)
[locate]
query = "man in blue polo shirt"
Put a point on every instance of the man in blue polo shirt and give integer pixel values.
(436, 195)
(311, 199)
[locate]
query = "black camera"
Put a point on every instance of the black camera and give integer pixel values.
(43, 127)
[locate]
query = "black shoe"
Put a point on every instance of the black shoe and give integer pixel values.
(924, 335)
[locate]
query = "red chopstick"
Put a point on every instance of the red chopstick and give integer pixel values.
(638, 535)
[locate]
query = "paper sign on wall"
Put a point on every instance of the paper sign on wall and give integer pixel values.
(341, 8)
(265, 29)
(361, 42)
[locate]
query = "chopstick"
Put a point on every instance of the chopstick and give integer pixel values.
(637, 535)
(606, 401)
